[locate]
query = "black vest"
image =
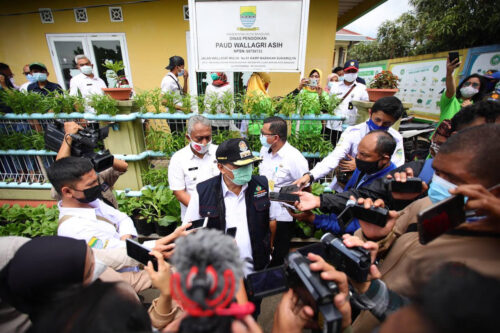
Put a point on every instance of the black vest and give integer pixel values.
(257, 206)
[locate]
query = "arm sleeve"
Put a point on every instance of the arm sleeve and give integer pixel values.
(73, 88)
(329, 223)
(126, 227)
(301, 167)
(176, 174)
(160, 320)
(193, 209)
(364, 95)
(398, 158)
(332, 160)
(71, 228)
(115, 258)
(110, 176)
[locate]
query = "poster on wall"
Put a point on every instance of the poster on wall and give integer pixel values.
(368, 71)
(421, 84)
(484, 62)
(248, 36)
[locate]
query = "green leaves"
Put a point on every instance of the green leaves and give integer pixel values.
(155, 176)
(160, 205)
(104, 104)
(165, 142)
(28, 221)
(19, 140)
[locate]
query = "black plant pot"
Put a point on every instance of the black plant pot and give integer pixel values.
(143, 227)
(164, 231)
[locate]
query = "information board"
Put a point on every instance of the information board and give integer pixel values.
(249, 36)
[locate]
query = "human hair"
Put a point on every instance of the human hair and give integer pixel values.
(483, 87)
(314, 71)
(100, 307)
(390, 105)
(278, 126)
(81, 56)
(481, 144)
(3, 66)
(175, 61)
(457, 299)
(7, 81)
(67, 171)
(338, 68)
(197, 119)
(386, 144)
(489, 110)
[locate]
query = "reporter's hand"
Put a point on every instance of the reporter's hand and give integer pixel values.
(329, 273)
(307, 201)
(480, 199)
(347, 165)
(353, 241)
(186, 74)
(302, 181)
(303, 82)
(161, 278)
(372, 231)
(245, 325)
(451, 66)
(401, 177)
(165, 244)
(306, 216)
(291, 317)
(70, 127)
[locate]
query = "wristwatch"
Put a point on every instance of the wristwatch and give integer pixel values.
(311, 177)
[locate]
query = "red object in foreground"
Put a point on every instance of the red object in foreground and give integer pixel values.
(121, 94)
(376, 94)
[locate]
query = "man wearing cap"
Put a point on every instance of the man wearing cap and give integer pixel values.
(170, 83)
(347, 91)
(235, 198)
(41, 85)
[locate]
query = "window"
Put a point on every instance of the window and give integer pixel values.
(98, 47)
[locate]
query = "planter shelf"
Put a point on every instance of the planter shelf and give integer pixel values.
(376, 94)
(121, 94)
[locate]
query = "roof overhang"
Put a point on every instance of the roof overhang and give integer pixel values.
(350, 10)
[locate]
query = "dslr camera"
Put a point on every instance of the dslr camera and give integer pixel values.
(85, 143)
(310, 288)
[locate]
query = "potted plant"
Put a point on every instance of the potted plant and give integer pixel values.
(118, 86)
(384, 84)
(161, 208)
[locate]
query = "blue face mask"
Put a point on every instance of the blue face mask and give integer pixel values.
(40, 77)
(263, 141)
(181, 72)
(372, 126)
(438, 190)
(30, 78)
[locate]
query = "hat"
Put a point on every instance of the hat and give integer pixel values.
(37, 64)
(174, 61)
(351, 64)
(236, 152)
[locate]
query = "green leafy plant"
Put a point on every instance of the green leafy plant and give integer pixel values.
(160, 205)
(28, 221)
(25, 102)
(155, 176)
(65, 103)
(165, 142)
(385, 80)
(128, 205)
(19, 140)
(104, 104)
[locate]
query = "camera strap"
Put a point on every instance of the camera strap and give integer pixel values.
(99, 218)
(347, 93)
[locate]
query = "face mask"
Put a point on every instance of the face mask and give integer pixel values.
(468, 92)
(30, 78)
(330, 84)
(313, 82)
(91, 194)
(99, 268)
(214, 76)
(40, 77)
(263, 141)
(438, 189)
(87, 70)
(367, 167)
(341, 78)
(199, 148)
(372, 126)
(242, 175)
(181, 73)
(350, 77)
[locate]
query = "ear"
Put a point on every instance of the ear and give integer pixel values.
(66, 192)
(187, 137)
(220, 167)
(369, 112)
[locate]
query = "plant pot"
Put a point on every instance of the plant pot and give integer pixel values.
(143, 227)
(121, 94)
(164, 231)
(376, 94)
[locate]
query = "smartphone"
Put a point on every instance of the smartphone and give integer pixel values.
(266, 283)
(231, 232)
(373, 215)
(284, 197)
(452, 56)
(412, 185)
(197, 224)
(440, 218)
(290, 189)
(140, 253)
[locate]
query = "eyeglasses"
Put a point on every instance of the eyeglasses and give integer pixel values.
(267, 134)
(473, 84)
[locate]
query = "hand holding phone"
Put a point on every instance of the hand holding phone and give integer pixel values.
(453, 56)
(411, 185)
(284, 197)
(197, 224)
(140, 253)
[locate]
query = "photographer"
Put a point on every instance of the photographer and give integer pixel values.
(107, 177)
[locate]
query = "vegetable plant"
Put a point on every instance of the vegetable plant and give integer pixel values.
(160, 205)
(28, 221)
(155, 176)
(385, 80)
(104, 104)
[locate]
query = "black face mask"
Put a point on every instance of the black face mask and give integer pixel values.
(91, 194)
(367, 167)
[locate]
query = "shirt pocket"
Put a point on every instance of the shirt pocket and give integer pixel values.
(262, 204)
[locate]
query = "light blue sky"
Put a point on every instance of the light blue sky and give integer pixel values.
(367, 24)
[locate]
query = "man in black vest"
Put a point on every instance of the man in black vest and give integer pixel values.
(235, 198)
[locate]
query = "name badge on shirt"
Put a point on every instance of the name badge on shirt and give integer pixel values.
(259, 192)
(193, 169)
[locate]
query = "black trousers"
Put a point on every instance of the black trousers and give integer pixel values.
(282, 238)
(331, 135)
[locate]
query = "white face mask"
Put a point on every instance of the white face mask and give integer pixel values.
(350, 77)
(468, 92)
(87, 70)
(198, 147)
(99, 268)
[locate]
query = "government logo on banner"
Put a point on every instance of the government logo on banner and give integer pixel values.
(248, 15)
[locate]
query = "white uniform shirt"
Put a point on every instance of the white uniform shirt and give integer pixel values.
(219, 93)
(87, 86)
(357, 94)
(170, 83)
(236, 216)
(186, 170)
(281, 169)
(24, 86)
(348, 145)
(84, 224)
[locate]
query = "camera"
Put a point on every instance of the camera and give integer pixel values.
(310, 288)
(373, 215)
(84, 144)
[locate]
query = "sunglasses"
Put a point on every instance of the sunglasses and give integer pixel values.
(473, 84)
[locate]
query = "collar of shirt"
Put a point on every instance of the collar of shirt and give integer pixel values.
(82, 76)
(87, 213)
(173, 76)
(226, 191)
